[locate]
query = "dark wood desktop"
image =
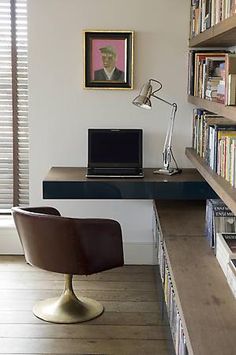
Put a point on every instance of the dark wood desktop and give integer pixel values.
(71, 183)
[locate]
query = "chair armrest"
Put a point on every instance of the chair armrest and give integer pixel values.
(44, 210)
(100, 241)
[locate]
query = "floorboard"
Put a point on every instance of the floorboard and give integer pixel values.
(132, 323)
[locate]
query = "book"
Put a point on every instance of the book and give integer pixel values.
(213, 74)
(230, 69)
(220, 94)
(231, 89)
(233, 7)
(219, 219)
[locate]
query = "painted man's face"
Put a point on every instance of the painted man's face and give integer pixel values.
(109, 60)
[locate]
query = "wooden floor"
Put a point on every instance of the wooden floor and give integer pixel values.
(131, 324)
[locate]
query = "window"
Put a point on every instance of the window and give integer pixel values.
(14, 145)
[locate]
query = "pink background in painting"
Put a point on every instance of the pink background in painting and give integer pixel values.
(119, 44)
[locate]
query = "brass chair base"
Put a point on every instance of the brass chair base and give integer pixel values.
(67, 308)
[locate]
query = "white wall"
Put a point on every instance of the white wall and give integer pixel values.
(61, 111)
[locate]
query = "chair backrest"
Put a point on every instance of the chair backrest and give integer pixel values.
(68, 245)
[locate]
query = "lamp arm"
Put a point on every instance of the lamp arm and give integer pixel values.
(163, 100)
(168, 139)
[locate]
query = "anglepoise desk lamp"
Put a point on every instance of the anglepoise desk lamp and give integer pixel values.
(143, 100)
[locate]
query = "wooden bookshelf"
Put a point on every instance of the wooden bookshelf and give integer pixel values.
(222, 35)
(222, 187)
(220, 109)
(204, 299)
(206, 303)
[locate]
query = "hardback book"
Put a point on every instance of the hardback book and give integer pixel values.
(231, 89)
(220, 94)
(225, 249)
(212, 73)
(233, 7)
(219, 219)
(219, 12)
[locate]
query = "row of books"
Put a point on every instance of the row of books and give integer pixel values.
(175, 322)
(212, 76)
(207, 13)
(214, 139)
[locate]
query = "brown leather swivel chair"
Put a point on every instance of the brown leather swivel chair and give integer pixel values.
(69, 246)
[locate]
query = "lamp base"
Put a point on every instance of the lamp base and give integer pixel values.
(170, 171)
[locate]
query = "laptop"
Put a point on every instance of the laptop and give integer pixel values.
(115, 153)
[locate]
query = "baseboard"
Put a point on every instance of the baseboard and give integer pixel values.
(139, 253)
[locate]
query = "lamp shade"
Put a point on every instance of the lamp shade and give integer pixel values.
(143, 99)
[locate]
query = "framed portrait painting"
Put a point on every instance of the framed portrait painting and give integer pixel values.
(108, 59)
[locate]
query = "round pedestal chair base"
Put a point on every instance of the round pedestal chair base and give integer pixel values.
(67, 309)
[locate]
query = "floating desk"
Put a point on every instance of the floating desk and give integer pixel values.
(71, 183)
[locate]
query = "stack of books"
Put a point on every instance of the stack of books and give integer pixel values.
(219, 219)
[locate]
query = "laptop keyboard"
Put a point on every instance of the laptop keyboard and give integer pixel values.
(115, 172)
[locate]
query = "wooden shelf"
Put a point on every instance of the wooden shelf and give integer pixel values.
(220, 109)
(221, 35)
(223, 189)
(205, 301)
(207, 305)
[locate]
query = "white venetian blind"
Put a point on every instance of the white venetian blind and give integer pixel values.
(14, 145)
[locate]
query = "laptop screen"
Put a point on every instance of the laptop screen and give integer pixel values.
(115, 148)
